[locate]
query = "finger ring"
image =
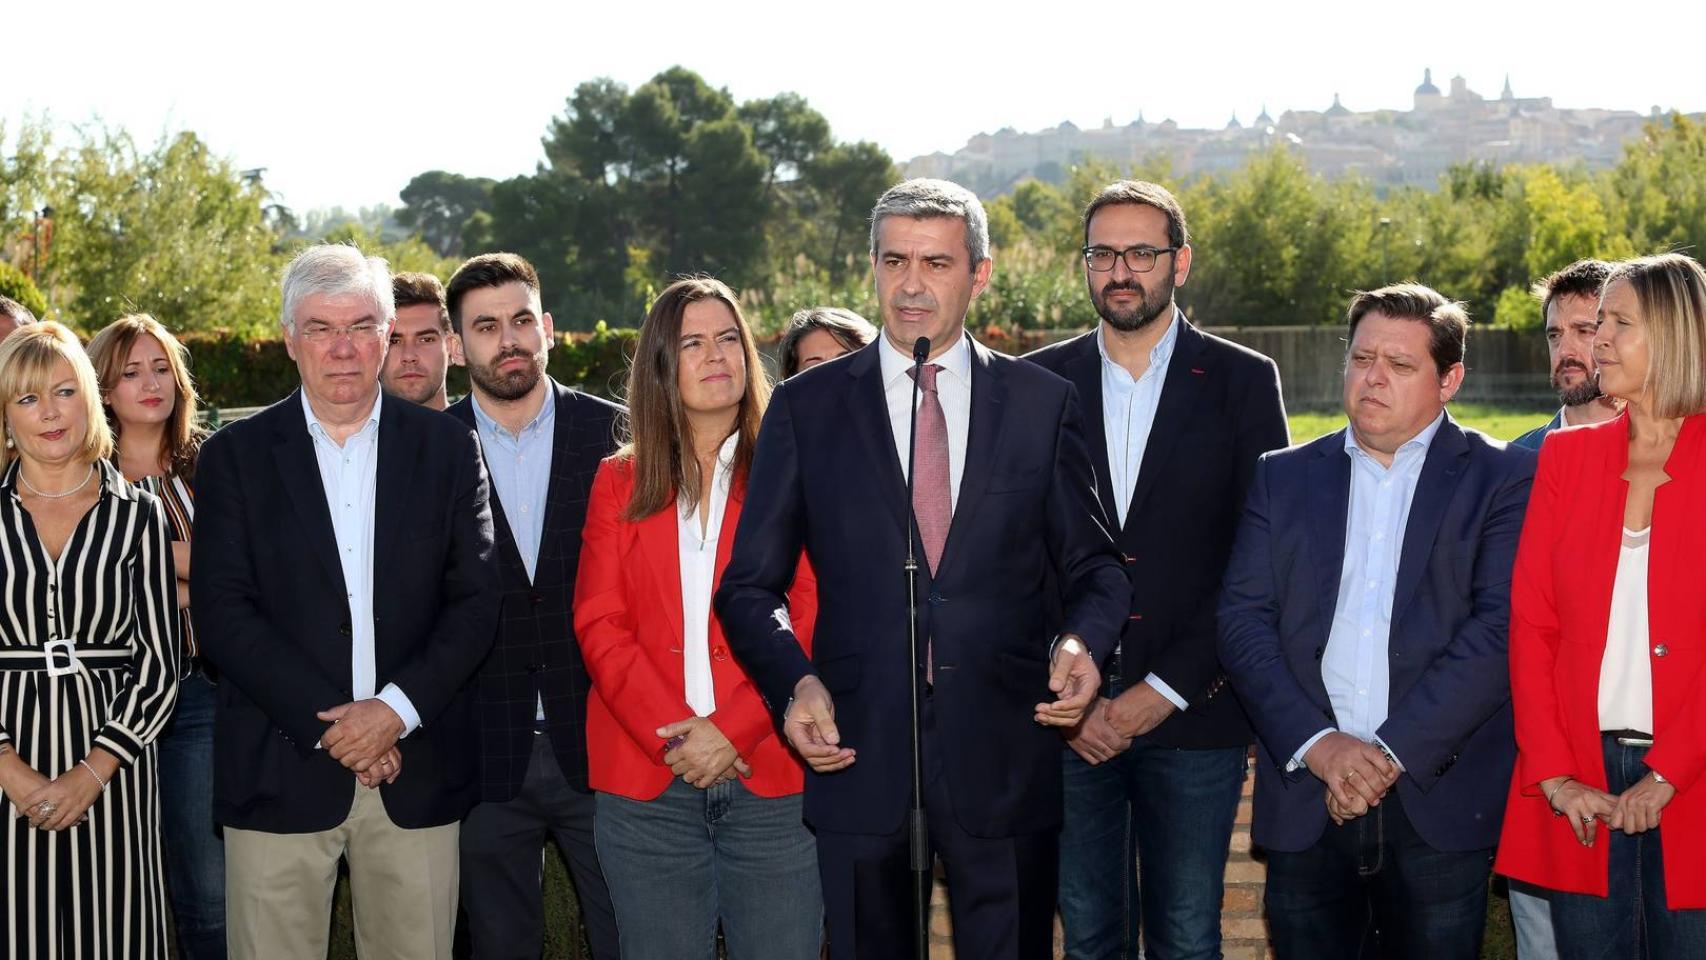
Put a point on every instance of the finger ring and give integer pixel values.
(385, 763)
(47, 807)
(1587, 819)
(1350, 775)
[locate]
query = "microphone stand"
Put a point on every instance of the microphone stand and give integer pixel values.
(918, 838)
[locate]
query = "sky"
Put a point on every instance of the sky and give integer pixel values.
(344, 102)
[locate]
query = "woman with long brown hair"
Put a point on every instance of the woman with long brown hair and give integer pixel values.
(699, 810)
(150, 404)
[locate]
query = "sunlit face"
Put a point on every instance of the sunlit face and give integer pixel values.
(145, 392)
(711, 372)
(50, 425)
(338, 343)
(1620, 346)
(506, 338)
(816, 347)
(924, 280)
(1126, 300)
(1392, 389)
(420, 353)
(1570, 325)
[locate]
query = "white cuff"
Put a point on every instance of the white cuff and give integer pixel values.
(1297, 758)
(1172, 695)
(394, 697)
(1390, 755)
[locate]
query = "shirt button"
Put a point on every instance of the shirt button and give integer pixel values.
(1379, 537)
(1660, 650)
(1368, 633)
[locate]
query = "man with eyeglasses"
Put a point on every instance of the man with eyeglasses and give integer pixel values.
(1176, 419)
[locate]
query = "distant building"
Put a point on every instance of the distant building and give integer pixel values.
(1388, 147)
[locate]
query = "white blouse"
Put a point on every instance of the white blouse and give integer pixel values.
(1626, 673)
(699, 581)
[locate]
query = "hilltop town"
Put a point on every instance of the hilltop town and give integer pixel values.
(1388, 147)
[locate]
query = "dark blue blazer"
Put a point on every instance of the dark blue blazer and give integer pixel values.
(1220, 410)
(1449, 716)
(826, 477)
(270, 612)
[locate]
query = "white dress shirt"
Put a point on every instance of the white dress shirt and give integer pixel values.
(1128, 415)
(953, 388)
(349, 477)
(699, 580)
(1626, 672)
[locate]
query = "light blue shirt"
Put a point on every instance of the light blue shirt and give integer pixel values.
(520, 469)
(1128, 414)
(1354, 665)
(349, 478)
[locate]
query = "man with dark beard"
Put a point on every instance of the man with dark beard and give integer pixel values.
(1569, 300)
(1176, 420)
(542, 444)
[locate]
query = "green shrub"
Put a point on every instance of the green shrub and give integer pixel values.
(16, 284)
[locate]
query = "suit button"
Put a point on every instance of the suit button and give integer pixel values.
(537, 599)
(533, 668)
(343, 629)
(1128, 558)
(719, 653)
(1318, 652)
(1660, 650)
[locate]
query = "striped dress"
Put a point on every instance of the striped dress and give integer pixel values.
(94, 891)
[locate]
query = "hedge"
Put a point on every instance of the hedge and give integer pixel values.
(16, 284)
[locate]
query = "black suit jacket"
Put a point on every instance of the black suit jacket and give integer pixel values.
(536, 656)
(1220, 409)
(826, 477)
(270, 611)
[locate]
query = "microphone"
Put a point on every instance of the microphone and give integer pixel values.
(918, 833)
(921, 350)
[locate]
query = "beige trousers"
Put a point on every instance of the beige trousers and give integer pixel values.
(403, 888)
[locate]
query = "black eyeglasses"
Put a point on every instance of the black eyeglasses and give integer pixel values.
(1137, 259)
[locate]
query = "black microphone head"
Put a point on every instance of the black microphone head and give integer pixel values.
(921, 350)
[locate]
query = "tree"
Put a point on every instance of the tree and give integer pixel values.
(787, 131)
(437, 205)
(845, 182)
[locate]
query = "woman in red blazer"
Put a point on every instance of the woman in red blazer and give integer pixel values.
(1608, 639)
(699, 810)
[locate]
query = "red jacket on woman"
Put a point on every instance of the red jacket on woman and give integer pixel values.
(1560, 607)
(628, 621)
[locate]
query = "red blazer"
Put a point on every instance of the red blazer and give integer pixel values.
(628, 621)
(1560, 606)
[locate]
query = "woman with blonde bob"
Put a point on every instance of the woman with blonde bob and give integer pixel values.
(1608, 639)
(88, 667)
(699, 819)
(150, 404)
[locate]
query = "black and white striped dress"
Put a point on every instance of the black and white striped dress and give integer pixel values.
(95, 891)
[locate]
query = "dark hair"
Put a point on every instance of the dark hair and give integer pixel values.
(1147, 194)
(848, 328)
(660, 437)
(1447, 321)
(483, 271)
(1584, 278)
(19, 313)
(413, 289)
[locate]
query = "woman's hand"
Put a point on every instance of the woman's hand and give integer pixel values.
(1580, 804)
(702, 756)
(1639, 806)
(18, 780)
(68, 797)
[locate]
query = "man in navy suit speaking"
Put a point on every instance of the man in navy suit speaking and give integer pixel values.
(1005, 504)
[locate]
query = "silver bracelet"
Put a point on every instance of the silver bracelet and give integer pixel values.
(86, 765)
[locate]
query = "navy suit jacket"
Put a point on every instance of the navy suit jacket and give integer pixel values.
(271, 613)
(1220, 410)
(1449, 716)
(826, 478)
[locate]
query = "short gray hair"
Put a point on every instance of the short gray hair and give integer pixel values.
(335, 269)
(924, 198)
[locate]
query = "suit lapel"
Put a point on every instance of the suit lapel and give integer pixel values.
(509, 555)
(561, 468)
(983, 439)
(293, 452)
(1434, 490)
(1085, 372)
(1181, 393)
(397, 453)
(869, 411)
(1329, 502)
(659, 538)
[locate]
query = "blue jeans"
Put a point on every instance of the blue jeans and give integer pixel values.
(1633, 921)
(1156, 814)
(679, 864)
(195, 854)
(1374, 887)
(1531, 916)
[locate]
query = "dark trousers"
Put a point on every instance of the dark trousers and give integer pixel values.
(1634, 920)
(503, 859)
(1001, 891)
(195, 854)
(1375, 888)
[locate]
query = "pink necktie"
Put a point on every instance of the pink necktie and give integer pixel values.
(932, 498)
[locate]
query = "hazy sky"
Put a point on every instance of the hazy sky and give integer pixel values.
(344, 102)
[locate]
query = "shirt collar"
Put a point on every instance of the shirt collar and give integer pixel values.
(547, 414)
(315, 429)
(956, 362)
(1418, 443)
(1159, 354)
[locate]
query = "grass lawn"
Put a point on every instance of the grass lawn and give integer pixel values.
(1501, 422)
